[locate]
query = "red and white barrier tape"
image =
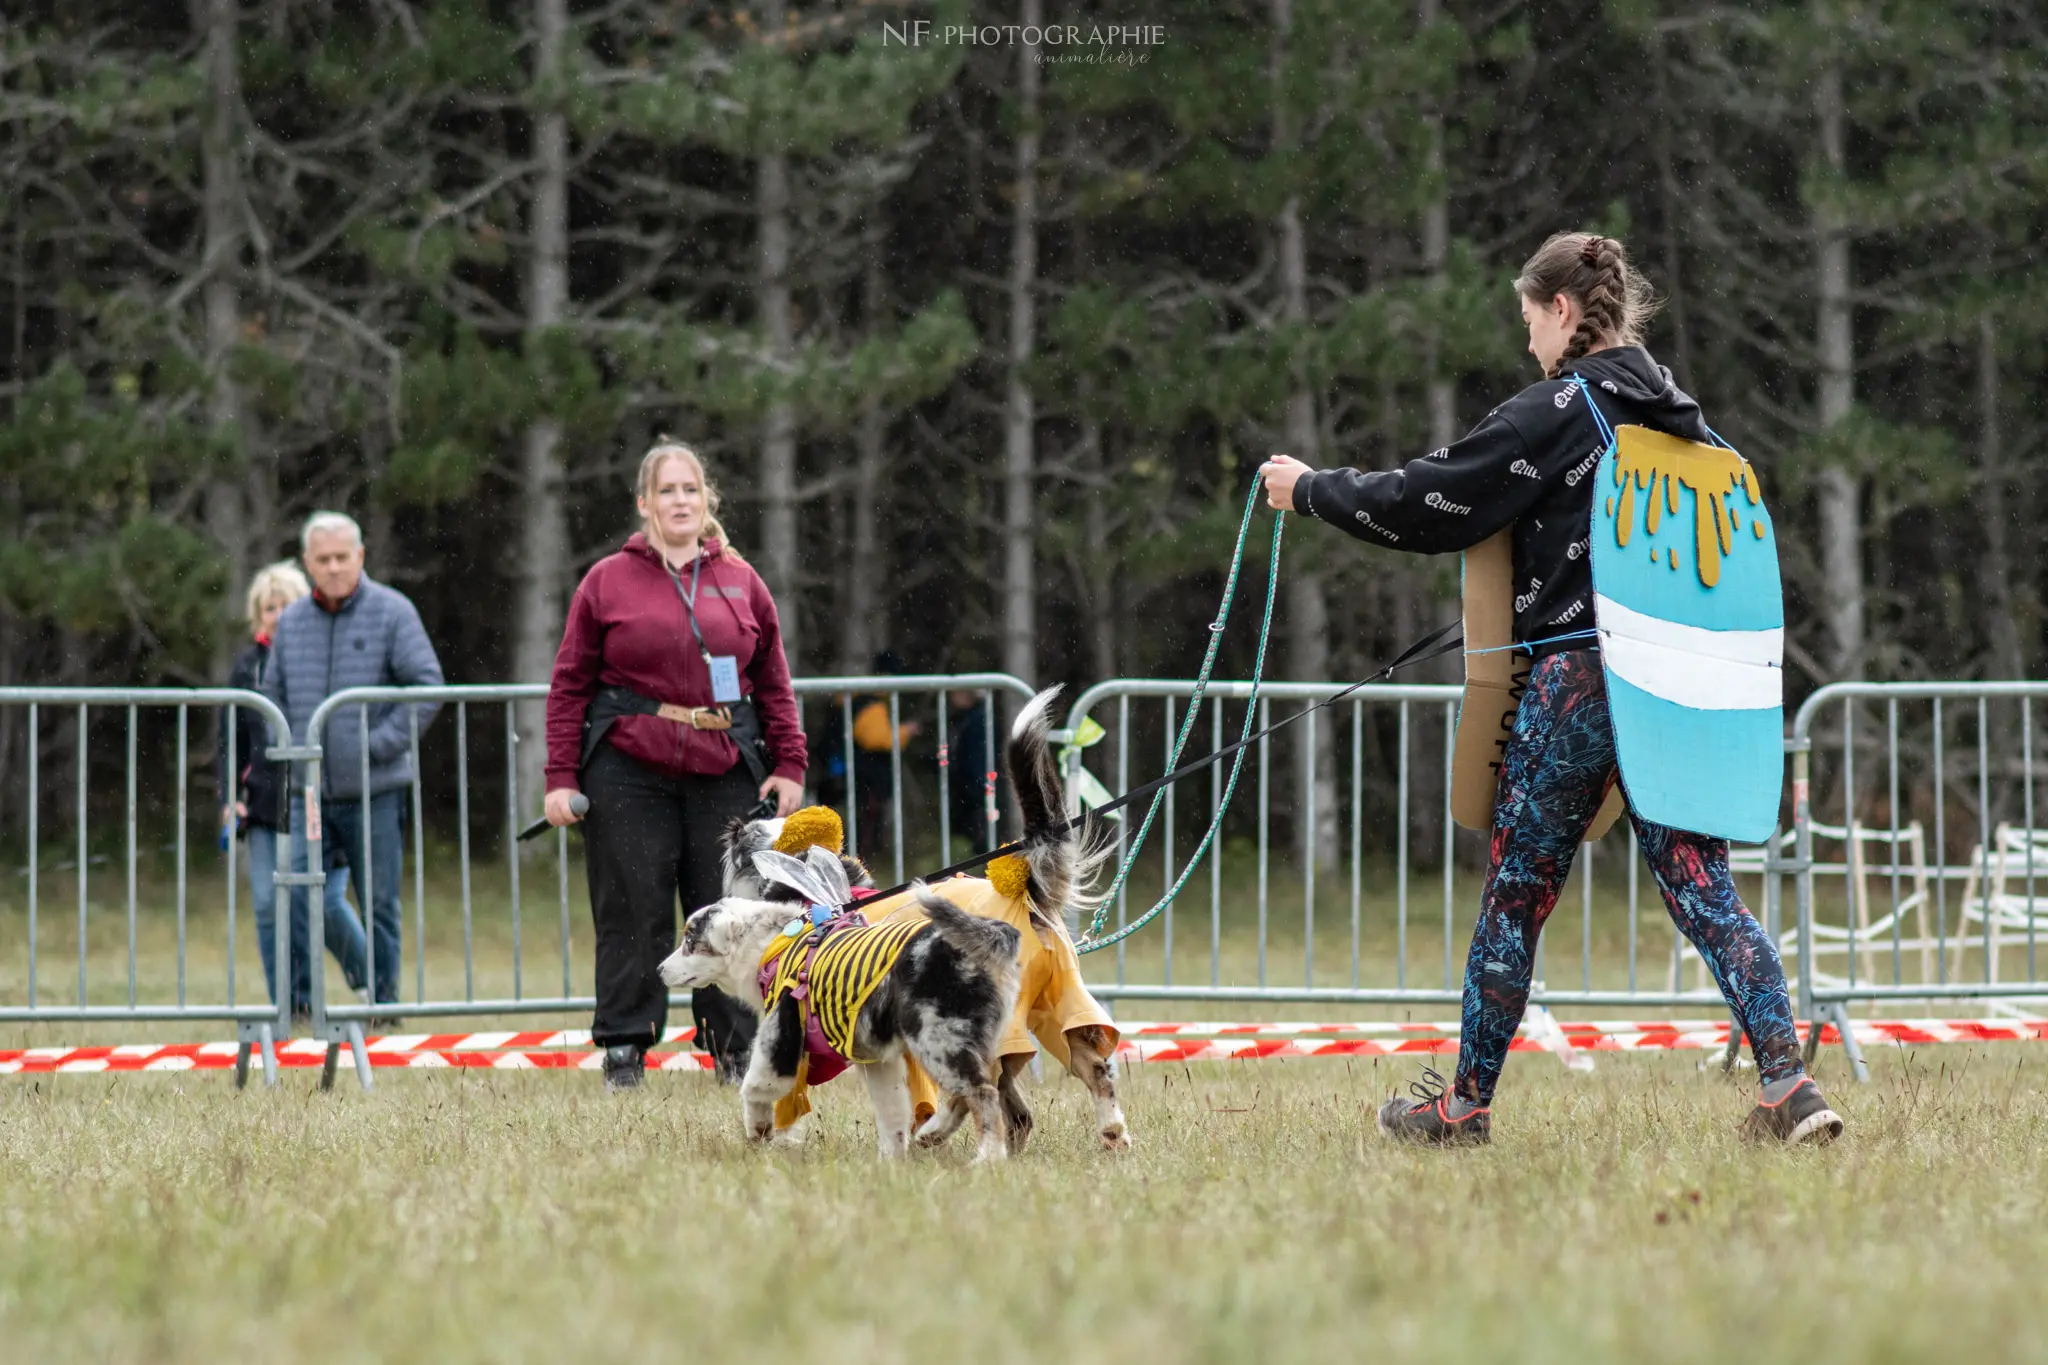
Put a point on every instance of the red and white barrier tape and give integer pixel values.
(308, 1052)
(1143, 1042)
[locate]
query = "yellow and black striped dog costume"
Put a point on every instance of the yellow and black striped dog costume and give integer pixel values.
(833, 978)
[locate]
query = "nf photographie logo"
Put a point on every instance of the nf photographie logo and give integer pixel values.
(1105, 44)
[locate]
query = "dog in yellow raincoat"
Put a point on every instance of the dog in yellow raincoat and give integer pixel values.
(1054, 1006)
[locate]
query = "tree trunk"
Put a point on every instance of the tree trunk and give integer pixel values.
(1418, 577)
(1663, 116)
(860, 637)
(1099, 571)
(1994, 516)
(778, 444)
(1020, 436)
(543, 519)
(1308, 614)
(1436, 259)
(227, 515)
(1443, 388)
(1841, 518)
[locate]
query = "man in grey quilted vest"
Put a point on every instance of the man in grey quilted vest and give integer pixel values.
(353, 632)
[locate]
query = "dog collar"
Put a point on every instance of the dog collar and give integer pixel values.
(813, 916)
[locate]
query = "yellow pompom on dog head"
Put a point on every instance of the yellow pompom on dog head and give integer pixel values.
(811, 827)
(1010, 875)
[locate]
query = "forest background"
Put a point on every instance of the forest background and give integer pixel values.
(981, 338)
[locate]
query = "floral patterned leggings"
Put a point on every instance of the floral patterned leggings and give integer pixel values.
(1555, 772)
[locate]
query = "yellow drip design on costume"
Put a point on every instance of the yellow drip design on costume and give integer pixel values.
(845, 970)
(1661, 464)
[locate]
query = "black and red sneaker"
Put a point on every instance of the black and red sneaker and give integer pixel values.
(1425, 1119)
(1801, 1116)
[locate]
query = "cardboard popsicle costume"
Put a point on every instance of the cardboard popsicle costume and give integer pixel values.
(1690, 614)
(1495, 674)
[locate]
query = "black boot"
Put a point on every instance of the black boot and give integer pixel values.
(625, 1066)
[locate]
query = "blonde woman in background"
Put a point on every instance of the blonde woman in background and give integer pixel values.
(671, 710)
(252, 804)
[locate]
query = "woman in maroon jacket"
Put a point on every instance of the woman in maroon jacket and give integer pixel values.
(672, 711)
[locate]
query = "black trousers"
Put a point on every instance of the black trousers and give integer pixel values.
(647, 840)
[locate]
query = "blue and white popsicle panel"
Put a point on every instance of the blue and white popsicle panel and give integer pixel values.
(1691, 615)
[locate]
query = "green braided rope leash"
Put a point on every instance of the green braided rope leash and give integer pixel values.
(1093, 940)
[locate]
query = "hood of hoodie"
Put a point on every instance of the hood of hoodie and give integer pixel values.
(1651, 396)
(638, 544)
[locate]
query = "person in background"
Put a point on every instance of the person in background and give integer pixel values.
(252, 805)
(874, 764)
(971, 769)
(353, 631)
(671, 710)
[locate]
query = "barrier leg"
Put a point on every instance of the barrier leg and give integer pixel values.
(1849, 1043)
(242, 1065)
(1813, 1032)
(327, 1066)
(1734, 1044)
(268, 1044)
(358, 1052)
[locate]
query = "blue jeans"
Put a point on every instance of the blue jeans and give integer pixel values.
(382, 863)
(344, 931)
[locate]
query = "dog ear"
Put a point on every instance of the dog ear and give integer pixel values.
(801, 876)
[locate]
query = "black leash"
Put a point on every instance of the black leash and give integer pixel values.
(1424, 649)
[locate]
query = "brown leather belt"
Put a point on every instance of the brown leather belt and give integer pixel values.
(697, 717)
(740, 721)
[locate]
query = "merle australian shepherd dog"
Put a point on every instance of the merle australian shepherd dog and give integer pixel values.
(946, 1000)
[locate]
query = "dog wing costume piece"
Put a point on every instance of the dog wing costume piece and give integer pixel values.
(1495, 676)
(1691, 616)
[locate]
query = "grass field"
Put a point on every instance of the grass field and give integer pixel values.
(510, 1218)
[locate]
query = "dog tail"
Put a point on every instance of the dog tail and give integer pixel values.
(1063, 861)
(990, 944)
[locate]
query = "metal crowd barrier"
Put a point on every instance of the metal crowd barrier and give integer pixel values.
(1929, 788)
(1376, 861)
(341, 1022)
(1904, 764)
(258, 1025)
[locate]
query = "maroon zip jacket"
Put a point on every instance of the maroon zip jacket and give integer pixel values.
(627, 628)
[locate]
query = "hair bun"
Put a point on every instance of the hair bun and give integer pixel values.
(1590, 252)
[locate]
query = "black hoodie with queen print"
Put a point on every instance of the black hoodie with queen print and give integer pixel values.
(1529, 464)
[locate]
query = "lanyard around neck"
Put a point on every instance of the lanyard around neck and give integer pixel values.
(690, 597)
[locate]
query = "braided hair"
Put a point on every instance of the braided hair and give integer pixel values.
(1614, 300)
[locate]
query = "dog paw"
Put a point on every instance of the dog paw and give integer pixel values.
(929, 1137)
(1116, 1138)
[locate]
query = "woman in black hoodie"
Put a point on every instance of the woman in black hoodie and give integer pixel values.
(1529, 464)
